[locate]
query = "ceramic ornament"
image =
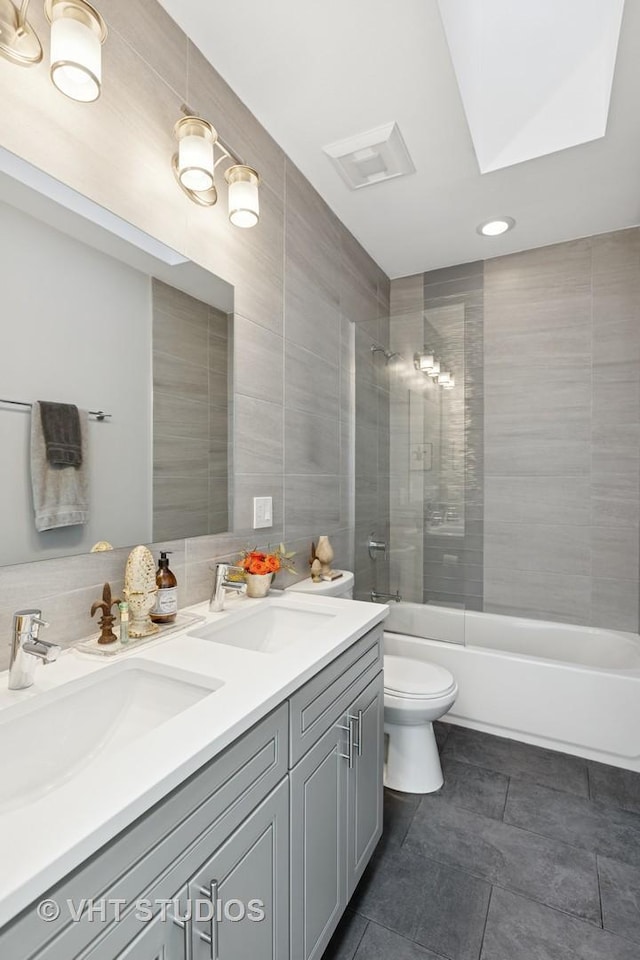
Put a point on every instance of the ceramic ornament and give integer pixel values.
(140, 590)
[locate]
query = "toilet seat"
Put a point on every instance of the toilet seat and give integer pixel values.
(410, 679)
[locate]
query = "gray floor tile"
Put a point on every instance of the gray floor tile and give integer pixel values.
(381, 944)
(620, 788)
(514, 759)
(583, 823)
(441, 907)
(620, 892)
(518, 929)
(441, 731)
(399, 810)
(554, 873)
(474, 788)
(346, 939)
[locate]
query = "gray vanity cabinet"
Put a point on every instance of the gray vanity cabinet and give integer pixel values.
(248, 880)
(336, 791)
(164, 938)
(365, 804)
(318, 844)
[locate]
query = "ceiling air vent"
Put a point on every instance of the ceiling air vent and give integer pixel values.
(371, 157)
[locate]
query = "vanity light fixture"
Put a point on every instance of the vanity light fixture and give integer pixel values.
(77, 34)
(443, 378)
(450, 385)
(495, 228)
(435, 369)
(194, 166)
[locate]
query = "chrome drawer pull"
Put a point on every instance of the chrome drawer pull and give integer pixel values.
(349, 728)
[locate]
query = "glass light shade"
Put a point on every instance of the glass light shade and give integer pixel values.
(444, 378)
(77, 35)
(195, 162)
(425, 362)
(435, 369)
(244, 201)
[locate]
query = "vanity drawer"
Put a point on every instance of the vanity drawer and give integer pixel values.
(158, 852)
(316, 706)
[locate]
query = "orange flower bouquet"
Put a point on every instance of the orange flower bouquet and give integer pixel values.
(260, 568)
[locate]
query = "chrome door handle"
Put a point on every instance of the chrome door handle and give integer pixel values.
(349, 728)
(357, 719)
(184, 926)
(210, 938)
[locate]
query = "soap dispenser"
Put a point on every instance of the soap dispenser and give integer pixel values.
(166, 607)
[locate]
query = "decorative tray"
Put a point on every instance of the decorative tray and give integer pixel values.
(96, 649)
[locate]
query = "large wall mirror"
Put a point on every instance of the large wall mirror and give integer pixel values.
(98, 314)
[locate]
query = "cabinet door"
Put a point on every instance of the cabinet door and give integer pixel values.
(318, 838)
(364, 823)
(163, 938)
(240, 897)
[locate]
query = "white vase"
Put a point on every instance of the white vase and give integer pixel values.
(258, 584)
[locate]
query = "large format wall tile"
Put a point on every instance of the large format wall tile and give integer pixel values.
(119, 156)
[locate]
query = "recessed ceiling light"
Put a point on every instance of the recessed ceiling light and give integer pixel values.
(493, 228)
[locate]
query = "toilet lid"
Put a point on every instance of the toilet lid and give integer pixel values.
(416, 679)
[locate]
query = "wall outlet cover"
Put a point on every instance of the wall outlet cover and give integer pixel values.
(262, 512)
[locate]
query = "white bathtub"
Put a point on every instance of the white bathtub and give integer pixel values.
(569, 688)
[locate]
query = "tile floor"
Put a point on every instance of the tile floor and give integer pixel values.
(524, 854)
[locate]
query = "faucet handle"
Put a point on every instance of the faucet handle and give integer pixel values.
(39, 622)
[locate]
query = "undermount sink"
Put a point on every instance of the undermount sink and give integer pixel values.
(271, 629)
(48, 739)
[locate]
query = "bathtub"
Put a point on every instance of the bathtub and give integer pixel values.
(569, 688)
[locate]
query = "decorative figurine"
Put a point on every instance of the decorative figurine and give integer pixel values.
(324, 553)
(316, 571)
(107, 619)
(140, 591)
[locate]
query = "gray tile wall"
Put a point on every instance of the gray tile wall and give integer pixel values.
(562, 432)
(308, 300)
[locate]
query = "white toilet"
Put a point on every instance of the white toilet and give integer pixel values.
(415, 694)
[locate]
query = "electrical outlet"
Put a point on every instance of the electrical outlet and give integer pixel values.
(262, 512)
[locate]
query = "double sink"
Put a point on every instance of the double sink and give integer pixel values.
(95, 716)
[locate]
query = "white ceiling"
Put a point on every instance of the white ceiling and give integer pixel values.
(314, 73)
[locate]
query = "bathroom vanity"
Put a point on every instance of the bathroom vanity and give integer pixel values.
(263, 795)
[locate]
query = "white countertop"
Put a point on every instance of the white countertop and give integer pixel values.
(42, 841)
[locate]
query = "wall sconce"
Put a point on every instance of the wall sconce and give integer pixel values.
(424, 362)
(435, 369)
(443, 378)
(77, 34)
(450, 385)
(194, 167)
(244, 202)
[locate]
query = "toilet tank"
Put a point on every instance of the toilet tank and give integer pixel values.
(342, 587)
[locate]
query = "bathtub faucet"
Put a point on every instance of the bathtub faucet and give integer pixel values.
(384, 597)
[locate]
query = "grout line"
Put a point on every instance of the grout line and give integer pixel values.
(506, 797)
(366, 927)
(599, 893)
(486, 922)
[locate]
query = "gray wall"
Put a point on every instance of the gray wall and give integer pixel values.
(191, 389)
(552, 435)
(562, 431)
(74, 348)
(301, 284)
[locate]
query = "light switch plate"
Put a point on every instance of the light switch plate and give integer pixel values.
(262, 512)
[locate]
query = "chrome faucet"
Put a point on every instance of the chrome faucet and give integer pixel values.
(222, 583)
(27, 648)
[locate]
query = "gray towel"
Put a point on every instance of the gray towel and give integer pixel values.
(60, 494)
(61, 428)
